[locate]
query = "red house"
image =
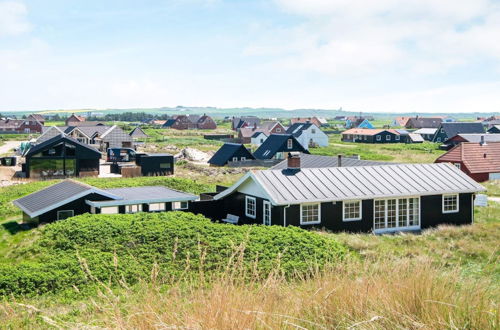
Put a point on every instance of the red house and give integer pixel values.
(74, 119)
(480, 161)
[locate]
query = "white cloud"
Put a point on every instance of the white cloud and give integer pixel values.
(352, 37)
(13, 18)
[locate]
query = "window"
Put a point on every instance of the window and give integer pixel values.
(250, 206)
(109, 210)
(351, 210)
(397, 137)
(309, 214)
(438, 139)
(388, 137)
(235, 159)
(261, 140)
(278, 130)
(290, 143)
(393, 214)
(313, 131)
(155, 207)
(450, 203)
(457, 165)
(379, 138)
(61, 215)
(164, 165)
(180, 205)
(133, 208)
(243, 159)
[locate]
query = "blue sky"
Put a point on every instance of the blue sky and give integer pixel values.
(381, 55)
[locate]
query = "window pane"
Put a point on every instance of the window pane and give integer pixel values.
(310, 213)
(391, 213)
(414, 212)
(109, 210)
(352, 210)
(379, 214)
(403, 212)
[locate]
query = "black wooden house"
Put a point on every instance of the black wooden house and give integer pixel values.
(384, 198)
(61, 156)
(230, 152)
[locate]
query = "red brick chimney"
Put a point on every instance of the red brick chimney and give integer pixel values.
(294, 160)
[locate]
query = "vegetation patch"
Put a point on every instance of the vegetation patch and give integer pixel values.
(79, 252)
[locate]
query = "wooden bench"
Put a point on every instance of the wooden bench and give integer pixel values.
(231, 218)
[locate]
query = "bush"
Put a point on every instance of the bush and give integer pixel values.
(87, 249)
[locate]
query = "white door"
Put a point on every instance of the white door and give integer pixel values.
(267, 213)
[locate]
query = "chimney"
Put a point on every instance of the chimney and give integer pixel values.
(339, 160)
(294, 160)
(254, 126)
(483, 142)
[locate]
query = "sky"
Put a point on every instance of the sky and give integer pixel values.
(359, 55)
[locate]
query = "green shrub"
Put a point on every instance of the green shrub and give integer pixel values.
(86, 249)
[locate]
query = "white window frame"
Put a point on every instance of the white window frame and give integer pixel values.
(388, 138)
(457, 165)
(161, 207)
(458, 203)
(128, 208)
(235, 159)
(310, 222)
(254, 200)
(264, 203)
(117, 210)
(179, 206)
(379, 138)
(243, 159)
(72, 214)
(289, 143)
(278, 130)
(360, 205)
(398, 228)
(397, 137)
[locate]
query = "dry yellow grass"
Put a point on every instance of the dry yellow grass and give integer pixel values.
(402, 294)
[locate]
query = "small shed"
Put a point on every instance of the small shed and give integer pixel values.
(155, 164)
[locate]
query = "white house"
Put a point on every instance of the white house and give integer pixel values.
(258, 138)
(308, 135)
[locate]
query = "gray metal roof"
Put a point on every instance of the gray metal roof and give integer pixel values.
(56, 195)
(425, 131)
(317, 161)
(366, 182)
(148, 194)
(477, 137)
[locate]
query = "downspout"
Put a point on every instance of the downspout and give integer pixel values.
(284, 215)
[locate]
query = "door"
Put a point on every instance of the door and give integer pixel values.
(267, 213)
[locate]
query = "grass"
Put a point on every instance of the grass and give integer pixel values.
(446, 278)
(493, 187)
(426, 152)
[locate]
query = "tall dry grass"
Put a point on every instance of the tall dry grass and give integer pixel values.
(408, 294)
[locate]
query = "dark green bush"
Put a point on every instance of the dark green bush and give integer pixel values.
(83, 250)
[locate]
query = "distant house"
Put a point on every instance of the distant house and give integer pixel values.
(61, 156)
(423, 122)
(101, 137)
(303, 120)
(475, 138)
(400, 121)
(277, 146)
(379, 199)
(268, 127)
(22, 126)
(38, 117)
(206, 122)
(308, 134)
(182, 122)
(426, 133)
(495, 129)
(356, 122)
(246, 121)
(364, 135)
(317, 161)
(480, 161)
(448, 130)
(230, 152)
(138, 133)
(70, 198)
(258, 138)
(71, 120)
